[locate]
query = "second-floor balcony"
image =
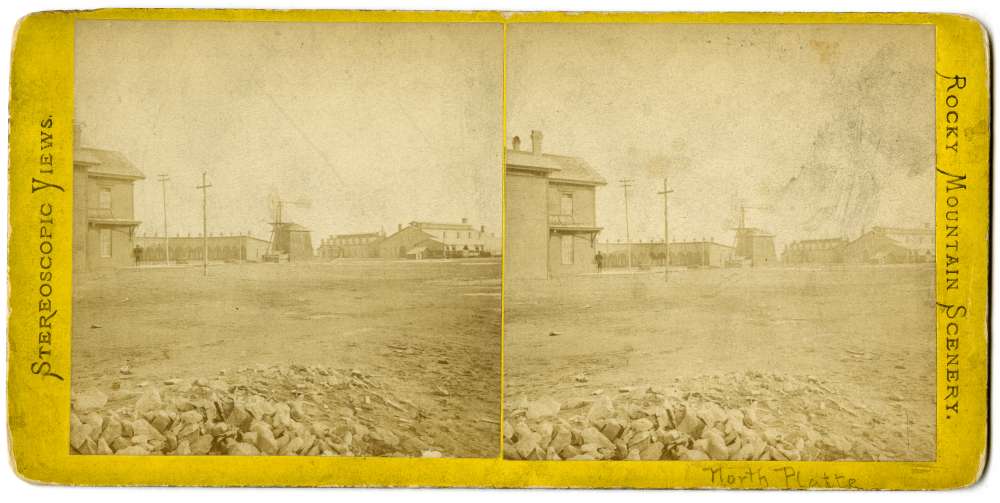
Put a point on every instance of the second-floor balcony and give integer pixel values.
(568, 222)
(109, 216)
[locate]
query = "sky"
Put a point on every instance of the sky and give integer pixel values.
(367, 126)
(820, 130)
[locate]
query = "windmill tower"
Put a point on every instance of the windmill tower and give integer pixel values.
(754, 245)
(289, 241)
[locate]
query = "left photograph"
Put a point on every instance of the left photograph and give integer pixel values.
(287, 239)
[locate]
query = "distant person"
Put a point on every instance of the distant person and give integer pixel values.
(599, 259)
(137, 252)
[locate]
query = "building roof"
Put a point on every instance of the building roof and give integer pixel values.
(441, 226)
(698, 243)
(359, 235)
(823, 241)
(659, 244)
(558, 167)
(753, 232)
(174, 239)
(106, 163)
(903, 230)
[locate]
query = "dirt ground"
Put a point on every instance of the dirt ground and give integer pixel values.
(428, 331)
(866, 331)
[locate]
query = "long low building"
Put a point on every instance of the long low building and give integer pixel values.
(682, 253)
(359, 245)
(235, 248)
(815, 251)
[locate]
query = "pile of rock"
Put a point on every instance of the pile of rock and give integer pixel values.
(667, 424)
(265, 411)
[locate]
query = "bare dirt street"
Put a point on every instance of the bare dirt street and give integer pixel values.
(427, 332)
(847, 351)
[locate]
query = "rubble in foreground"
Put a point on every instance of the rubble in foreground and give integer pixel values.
(748, 416)
(294, 410)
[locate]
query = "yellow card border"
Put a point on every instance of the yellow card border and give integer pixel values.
(38, 407)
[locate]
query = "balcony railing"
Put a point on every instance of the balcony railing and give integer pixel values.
(561, 220)
(101, 213)
(569, 221)
(106, 214)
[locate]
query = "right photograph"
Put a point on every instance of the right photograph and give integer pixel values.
(719, 242)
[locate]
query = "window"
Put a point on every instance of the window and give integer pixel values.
(566, 204)
(105, 243)
(104, 201)
(567, 249)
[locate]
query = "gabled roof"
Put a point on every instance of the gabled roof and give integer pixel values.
(106, 163)
(558, 167)
(409, 229)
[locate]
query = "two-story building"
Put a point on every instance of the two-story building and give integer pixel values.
(103, 208)
(439, 240)
(551, 212)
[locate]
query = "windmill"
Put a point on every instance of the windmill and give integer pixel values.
(279, 244)
(753, 244)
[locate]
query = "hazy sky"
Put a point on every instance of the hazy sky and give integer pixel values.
(372, 124)
(830, 127)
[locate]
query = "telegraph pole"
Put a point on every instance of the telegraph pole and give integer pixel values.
(163, 178)
(666, 231)
(204, 221)
(626, 183)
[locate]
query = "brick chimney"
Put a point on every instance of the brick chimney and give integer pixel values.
(517, 143)
(536, 142)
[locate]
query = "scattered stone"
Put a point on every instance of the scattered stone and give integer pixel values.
(89, 400)
(765, 417)
(149, 401)
(133, 450)
(248, 412)
(242, 449)
(545, 407)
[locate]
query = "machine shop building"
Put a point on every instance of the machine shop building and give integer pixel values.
(420, 240)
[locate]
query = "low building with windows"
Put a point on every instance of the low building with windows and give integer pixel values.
(703, 253)
(815, 251)
(104, 220)
(191, 249)
(551, 213)
(359, 245)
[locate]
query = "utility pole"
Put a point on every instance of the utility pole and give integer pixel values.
(204, 221)
(666, 231)
(626, 183)
(163, 178)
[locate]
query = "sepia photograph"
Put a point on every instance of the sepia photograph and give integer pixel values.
(720, 242)
(287, 238)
